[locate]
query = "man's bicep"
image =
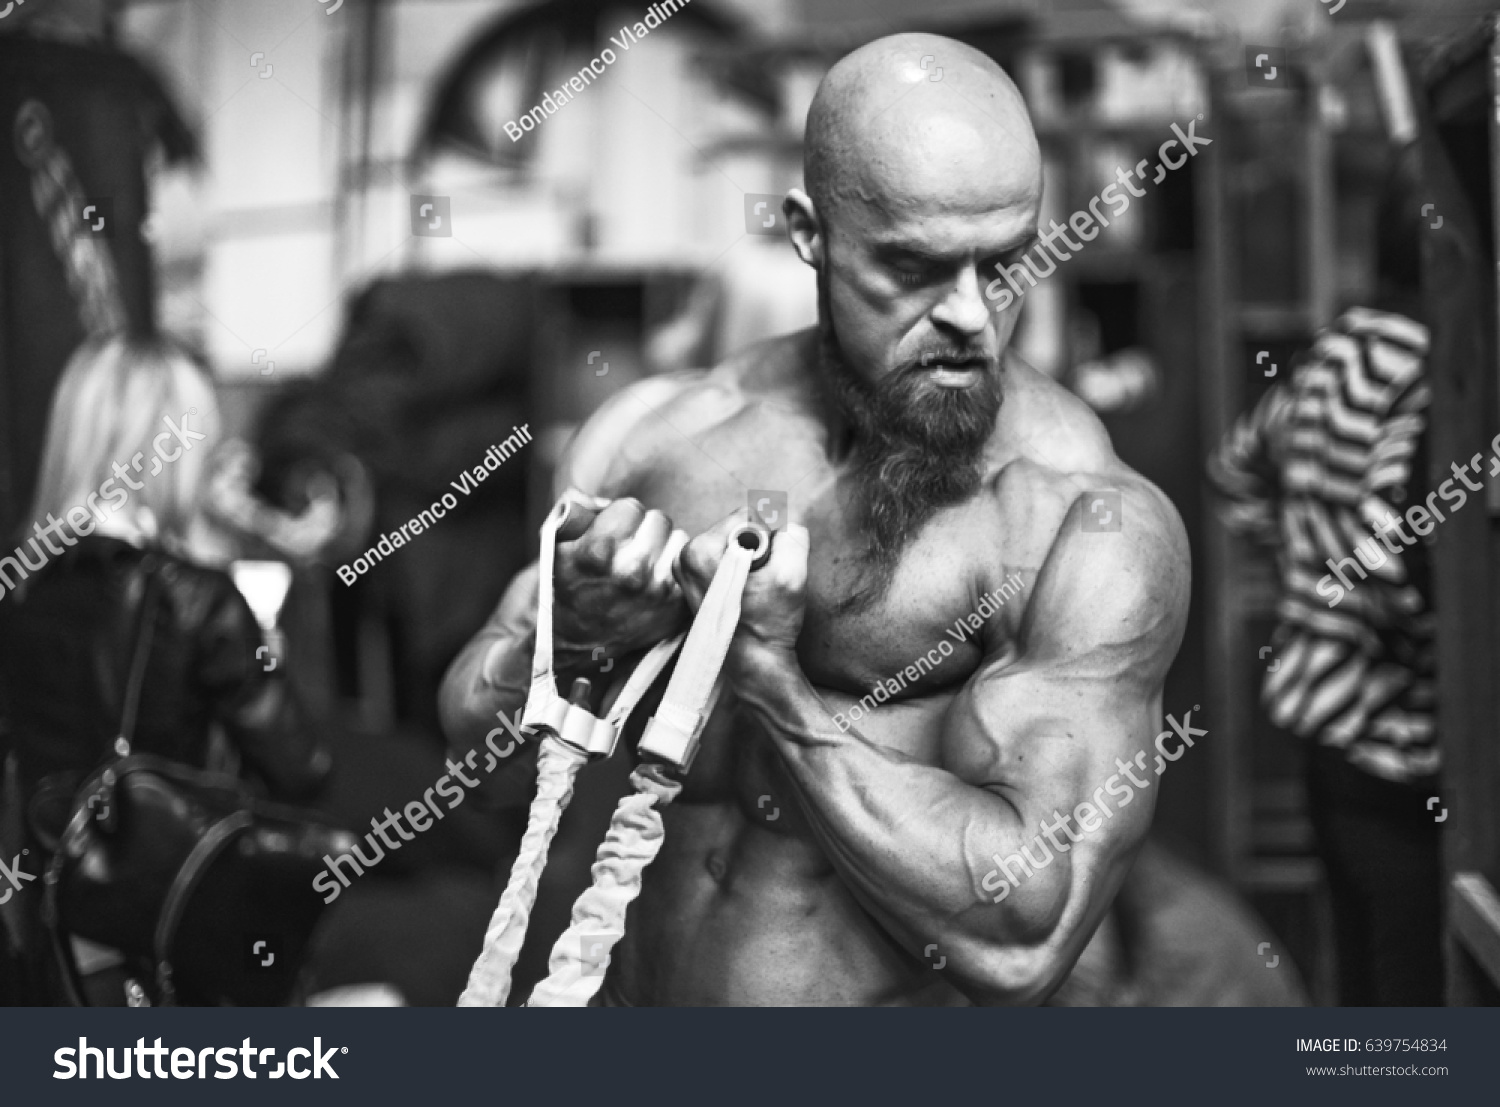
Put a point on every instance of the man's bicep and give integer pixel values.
(1102, 627)
(1060, 723)
(1047, 744)
(1048, 739)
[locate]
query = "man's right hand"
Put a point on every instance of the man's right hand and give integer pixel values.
(612, 588)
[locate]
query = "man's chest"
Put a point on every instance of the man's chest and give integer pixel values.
(893, 649)
(919, 629)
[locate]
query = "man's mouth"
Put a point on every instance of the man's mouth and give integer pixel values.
(953, 372)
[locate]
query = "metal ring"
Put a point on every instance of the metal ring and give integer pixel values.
(759, 544)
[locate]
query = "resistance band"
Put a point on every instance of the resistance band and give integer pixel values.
(571, 735)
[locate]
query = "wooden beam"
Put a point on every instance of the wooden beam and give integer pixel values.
(1219, 400)
(1474, 918)
(1460, 308)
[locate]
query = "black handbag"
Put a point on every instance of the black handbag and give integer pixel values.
(206, 889)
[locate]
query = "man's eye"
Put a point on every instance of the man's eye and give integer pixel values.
(913, 276)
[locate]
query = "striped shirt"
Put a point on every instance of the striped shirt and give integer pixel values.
(1320, 462)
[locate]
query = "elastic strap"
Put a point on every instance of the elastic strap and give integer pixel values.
(137, 674)
(490, 978)
(570, 734)
(674, 731)
(581, 956)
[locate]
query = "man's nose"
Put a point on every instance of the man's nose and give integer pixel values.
(964, 308)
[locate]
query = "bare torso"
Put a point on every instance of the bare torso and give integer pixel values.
(743, 906)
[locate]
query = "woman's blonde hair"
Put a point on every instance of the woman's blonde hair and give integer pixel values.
(111, 406)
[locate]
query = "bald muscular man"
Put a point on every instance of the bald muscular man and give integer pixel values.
(809, 860)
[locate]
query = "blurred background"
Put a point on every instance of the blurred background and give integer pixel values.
(322, 198)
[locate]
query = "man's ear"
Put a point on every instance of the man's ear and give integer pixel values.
(803, 227)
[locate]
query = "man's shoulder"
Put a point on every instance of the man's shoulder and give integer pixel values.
(660, 414)
(635, 424)
(1109, 549)
(1046, 424)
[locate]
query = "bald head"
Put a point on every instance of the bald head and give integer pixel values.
(917, 189)
(884, 133)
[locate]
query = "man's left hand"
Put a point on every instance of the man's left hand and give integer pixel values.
(774, 598)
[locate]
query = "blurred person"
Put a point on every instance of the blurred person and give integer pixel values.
(127, 447)
(927, 462)
(430, 370)
(1324, 471)
(242, 521)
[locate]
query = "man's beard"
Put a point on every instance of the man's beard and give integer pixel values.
(917, 447)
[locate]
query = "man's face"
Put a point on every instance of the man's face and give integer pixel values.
(921, 188)
(905, 294)
(911, 353)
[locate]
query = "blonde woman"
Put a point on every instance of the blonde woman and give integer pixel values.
(123, 468)
(128, 438)
(117, 500)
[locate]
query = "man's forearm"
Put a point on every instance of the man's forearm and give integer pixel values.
(484, 696)
(911, 840)
(490, 677)
(480, 706)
